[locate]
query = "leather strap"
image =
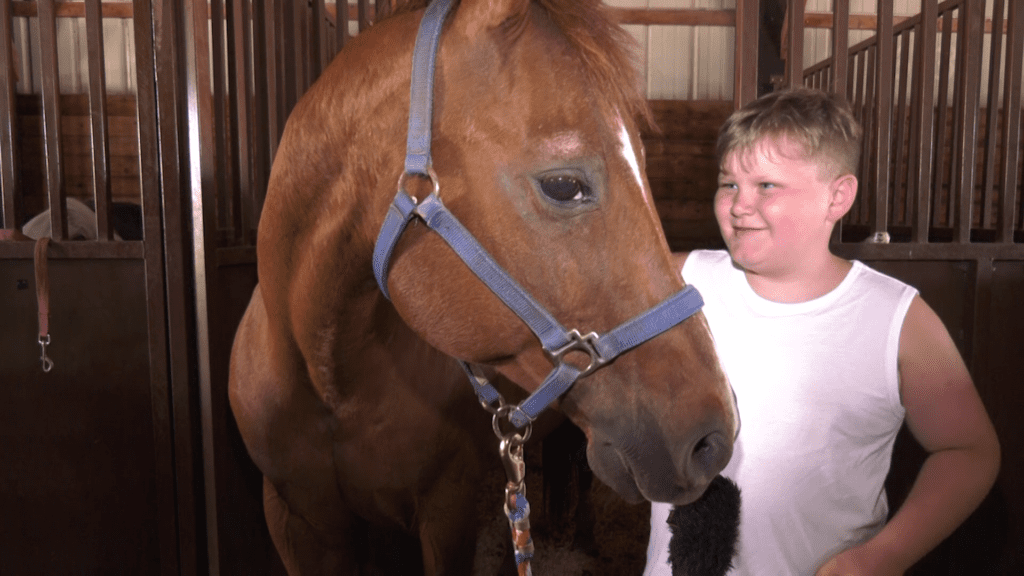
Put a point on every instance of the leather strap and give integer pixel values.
(42, 272)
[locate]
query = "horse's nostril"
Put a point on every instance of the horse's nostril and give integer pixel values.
(710, 454)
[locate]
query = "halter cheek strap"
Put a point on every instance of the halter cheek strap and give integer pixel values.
(555, 339)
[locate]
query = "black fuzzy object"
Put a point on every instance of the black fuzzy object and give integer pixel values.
(704, 533)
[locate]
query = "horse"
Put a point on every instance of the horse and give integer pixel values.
(349, 388)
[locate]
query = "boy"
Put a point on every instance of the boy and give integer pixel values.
(827, 357)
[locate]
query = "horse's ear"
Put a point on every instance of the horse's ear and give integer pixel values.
(477, 16)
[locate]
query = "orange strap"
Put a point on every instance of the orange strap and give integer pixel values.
(42, 289)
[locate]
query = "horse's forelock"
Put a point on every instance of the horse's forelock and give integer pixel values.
(608, 52)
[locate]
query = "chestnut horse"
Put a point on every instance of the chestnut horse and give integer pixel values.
(352, 404)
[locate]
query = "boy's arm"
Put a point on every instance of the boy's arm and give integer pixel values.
(945, 414)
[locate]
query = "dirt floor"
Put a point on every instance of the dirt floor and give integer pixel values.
(617, 531)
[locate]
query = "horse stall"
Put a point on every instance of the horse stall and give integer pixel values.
(163, 117)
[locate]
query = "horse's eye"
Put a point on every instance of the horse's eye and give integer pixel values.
(564, 188)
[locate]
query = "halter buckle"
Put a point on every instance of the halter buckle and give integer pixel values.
(580, 343)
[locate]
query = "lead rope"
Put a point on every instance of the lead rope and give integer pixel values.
(43, 299)
(517, 508)
(41, 264)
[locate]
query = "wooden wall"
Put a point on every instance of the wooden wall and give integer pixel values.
(76, 142)
(683, 171)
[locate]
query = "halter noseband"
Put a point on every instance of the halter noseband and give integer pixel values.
(555, 339)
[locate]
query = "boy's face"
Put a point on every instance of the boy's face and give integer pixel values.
(775, 209)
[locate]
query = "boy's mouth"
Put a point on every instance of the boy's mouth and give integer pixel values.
(740, 230)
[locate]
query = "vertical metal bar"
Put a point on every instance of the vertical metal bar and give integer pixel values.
(271, 79)
(956, 126)
(51, 118)
(202, 186)
(364, 14)
(967, 143)
(883, 118)
(98, 119)
(167, 480)
(989, 176)
(316, 40)
(745, 65)
(942, 122)
(244, 52)
(1011, 121)
(299, 51)
(164, 42)
(8, 135)
(870, 131)
(286, 29)
(341, 22)
(795, 51)
(840, 44)
(234, 156)
(264, 131)
(925, 111)
(900, 115)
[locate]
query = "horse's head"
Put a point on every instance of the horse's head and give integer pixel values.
(537, 152)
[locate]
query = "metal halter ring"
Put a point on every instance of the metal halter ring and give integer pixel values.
(430, 176)
(502, 412)
(580, 343)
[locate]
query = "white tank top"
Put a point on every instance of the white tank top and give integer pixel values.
(818, 393)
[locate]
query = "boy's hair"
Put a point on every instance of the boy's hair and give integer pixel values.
(821, 123)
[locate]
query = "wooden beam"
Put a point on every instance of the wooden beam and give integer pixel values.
(28, 9)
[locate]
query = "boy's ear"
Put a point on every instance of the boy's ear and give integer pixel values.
(844, 192)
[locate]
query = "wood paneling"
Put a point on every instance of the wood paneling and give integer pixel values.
(683, 171)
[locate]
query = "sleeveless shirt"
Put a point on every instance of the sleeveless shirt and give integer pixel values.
(817, 387)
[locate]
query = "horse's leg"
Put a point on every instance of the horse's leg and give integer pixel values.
(448, 525)
(306, 548)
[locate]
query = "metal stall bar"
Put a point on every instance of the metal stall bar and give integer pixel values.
(972, 33)
(364, 14)
(988, 173)
(153, 255)
(8, 155)
(51, 119)
(299, 53)
(840, 45)
(745, 65)
(795, 49)
(234, 151)
(901, 113)
(286, 51)
(1010, 179)
(316, 59)
(202, 186)
(162, 36)
(883, 116)
(100, 142)
(341, 23)
(924, 112)
(957, 123)
(942, 103)
(221, 119)
(248, 184)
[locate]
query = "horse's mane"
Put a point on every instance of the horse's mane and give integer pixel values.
(607, 51)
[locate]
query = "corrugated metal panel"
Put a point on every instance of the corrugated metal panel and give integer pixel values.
(119, 49)
(685, 62)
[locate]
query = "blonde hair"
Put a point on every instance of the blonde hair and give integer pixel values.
(821, 123)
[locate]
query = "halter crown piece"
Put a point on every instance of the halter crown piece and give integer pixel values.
(556, 340)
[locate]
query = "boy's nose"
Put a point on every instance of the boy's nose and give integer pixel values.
(742, 203)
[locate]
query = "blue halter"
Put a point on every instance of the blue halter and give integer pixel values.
(555, 339)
